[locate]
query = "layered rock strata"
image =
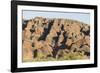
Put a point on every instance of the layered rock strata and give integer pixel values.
(55, 38)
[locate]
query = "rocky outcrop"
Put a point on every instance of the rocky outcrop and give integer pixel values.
(55, 38)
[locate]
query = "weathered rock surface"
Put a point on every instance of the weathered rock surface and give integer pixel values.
(56, 38)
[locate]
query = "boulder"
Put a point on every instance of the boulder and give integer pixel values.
(27, 50)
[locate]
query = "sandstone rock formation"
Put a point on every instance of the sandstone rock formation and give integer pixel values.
(55, 38)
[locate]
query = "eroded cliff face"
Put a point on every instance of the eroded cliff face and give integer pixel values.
(55, 39)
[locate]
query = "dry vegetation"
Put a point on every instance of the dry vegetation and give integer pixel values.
(47, 39)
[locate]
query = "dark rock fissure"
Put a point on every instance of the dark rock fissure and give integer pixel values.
(46, 31)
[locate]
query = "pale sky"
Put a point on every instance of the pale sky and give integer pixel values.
(83, 17)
